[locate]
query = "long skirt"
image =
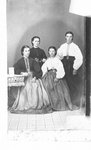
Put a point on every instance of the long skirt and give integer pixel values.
(32, 98)
(58, 92)
(74, 82)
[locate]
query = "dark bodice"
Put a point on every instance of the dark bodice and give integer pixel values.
(19, 67)
(37, 53)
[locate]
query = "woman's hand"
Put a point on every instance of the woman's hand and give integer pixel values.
(54, 70)
(56, 80)
(34, 79)
(43, 60)
(30, 74)
(74, 72)
(36, 59)
(24, 73)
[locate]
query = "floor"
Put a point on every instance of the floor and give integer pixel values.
(34, 126)
(40, 122)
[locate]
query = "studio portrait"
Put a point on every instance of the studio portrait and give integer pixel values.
(48, 67)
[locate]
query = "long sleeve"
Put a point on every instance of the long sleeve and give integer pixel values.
(60, 70)
(19, 66)
(43, 55)
(78, 58)
(74, 51)
(60, 53)
(54, 63)
(44, 68)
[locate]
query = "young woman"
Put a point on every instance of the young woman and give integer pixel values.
(72, 59)
(54, 82)
(36, 52)
(25, 65)
(32, 98)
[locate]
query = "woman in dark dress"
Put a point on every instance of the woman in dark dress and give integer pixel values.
(25, 65)
(36, 52)
(31, 98)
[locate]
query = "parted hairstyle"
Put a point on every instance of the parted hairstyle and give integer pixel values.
(34, 37)
(53, 47)
(23, 47)
(69, 32)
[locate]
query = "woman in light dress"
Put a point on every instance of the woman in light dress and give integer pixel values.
(54, 82)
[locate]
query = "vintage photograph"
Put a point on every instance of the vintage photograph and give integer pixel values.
(47, 68)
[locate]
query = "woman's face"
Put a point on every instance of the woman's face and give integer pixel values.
(36, 42)
(52, 52)
(26, 52)
(69, 38)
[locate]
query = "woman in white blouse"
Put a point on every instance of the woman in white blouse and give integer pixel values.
(72, 59)
(54, 82)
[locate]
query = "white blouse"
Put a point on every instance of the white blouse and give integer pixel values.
(72, 50)
(54, 63)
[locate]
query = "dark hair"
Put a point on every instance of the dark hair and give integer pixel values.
(23, 47)
(53, 47)
(69, 32)
(34, 37)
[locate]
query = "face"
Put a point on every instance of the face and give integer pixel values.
(52, 52)
(36, 42)
(26, 52)
(69, 38)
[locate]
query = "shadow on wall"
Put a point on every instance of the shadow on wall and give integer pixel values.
(51, 32)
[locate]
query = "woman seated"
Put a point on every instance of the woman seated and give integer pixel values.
(54, 82)
(27, 65)
(32, 98)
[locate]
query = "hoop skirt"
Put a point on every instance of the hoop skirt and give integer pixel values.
(74, 82)
(32, 98)
(42, 96)
(58, 92)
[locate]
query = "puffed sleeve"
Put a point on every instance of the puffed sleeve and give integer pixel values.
(44, 68)
(78, 58)
(60, 53)
(60, 69)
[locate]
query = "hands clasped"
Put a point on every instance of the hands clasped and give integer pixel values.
(74, 72)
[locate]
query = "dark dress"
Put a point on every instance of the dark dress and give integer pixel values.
(19, 67)
(37, 53)
(74, 82)
(34, 67)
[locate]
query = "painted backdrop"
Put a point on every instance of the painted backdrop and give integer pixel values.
(49, 19)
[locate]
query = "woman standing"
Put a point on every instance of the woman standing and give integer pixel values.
(36, 52)
(54, 82)
(72, 59)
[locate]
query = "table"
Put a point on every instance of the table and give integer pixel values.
(14, 83)
(15, 80)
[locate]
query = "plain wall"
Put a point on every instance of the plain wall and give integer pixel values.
(49, 19)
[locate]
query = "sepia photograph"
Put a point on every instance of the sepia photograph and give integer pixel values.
(48, 70)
